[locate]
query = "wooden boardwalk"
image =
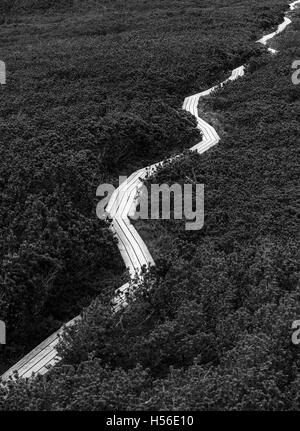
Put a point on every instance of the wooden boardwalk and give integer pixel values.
(123, 203)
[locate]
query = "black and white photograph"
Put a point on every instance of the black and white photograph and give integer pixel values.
(149, 209)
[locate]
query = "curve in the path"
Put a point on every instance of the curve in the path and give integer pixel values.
(122, 204)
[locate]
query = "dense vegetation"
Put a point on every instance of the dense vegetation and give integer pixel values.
(93, 90)
(100, 92)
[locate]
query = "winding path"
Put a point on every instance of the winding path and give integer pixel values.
(121, 206)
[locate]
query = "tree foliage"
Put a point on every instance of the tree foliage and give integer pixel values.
(209, 329)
